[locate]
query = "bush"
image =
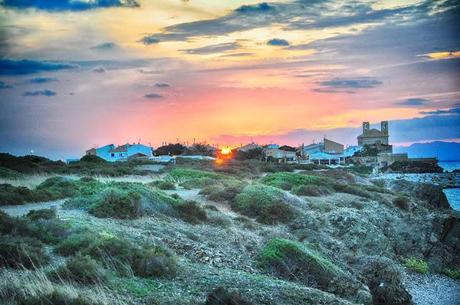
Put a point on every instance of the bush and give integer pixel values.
(117, 204)
(311, 190)
(417, 265)
(164, 185)
(191, 212)
(93, 159)
(21, 252)
(81, 269)
(154, 261)
(180, 175)
(352, 189)
(287, 181)
(198, 183)
(220, 193)
(58, 187)
(402, 203)
(56, 297)
(41, 214)
(221, 296)
(15, 195)
(264, 203)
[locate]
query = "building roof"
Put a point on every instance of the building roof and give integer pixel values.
(121, 148)
(372, 133)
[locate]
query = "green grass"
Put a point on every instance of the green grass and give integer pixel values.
(287, 181)
(417, 265)
(180, 175)
(21, 252)
(81, 269)
(452, 273)
(265, 203)
(116, 203)
(163, 185)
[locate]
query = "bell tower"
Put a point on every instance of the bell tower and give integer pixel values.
(384, 127)
(366, 126)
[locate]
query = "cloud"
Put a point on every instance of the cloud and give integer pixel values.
(21, 67)
(162, 85)
(442, 111)
(45, 92)
(298, 14)
(105, 46)
(150, 39)
(277, 42)
(67, 5)
(348, 83)
(3, 85)
(145, 71)
(240, 54)
(153, 96)
(215, 48)
(413, 102)
(41, 80)
(99, 70)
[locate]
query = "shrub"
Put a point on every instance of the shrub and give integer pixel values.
(191, 212)
(198, 183)
(21, 252)
(93, 159)
(58, 187)
(417, 265)
(77, 242)
(221, 296)
(402, 203)
(41, 214)
(164, 185)
(183, 174)
(264, 203)
(154, 261)
(117, 204)
(81, 269)
(352, 189)
(15, 195)
(219, 193)
(286, 181)
(55, 297)
(452, 273)
(311, 190)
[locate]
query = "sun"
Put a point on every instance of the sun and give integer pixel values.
(225, 151)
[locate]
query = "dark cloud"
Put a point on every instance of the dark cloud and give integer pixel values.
(67, 5)
(99, 70)
(162, 85)
(299, 14)
(20, 67)
(277, 42)
(348, 83)
(105, 46)
(442, 111)
(3, 85)
(413, 102)
(215, 48)
(45, 92)
(153, 96)
(41, 80)
(150, 39)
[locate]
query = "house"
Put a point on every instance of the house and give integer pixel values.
(122, 153)
(279, 155)
(374, 136)
(325, 152)
(248, 147)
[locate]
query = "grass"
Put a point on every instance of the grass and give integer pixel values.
(311, 190)
(116, 203)
(191, 212)
(416, 265)
(180, 175)
(287, 181)
(264, 203)
(452, 273)
(21, 252)
(163, 185)
(81, 269)
(402, 202)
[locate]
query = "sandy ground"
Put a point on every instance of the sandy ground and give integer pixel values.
(432, 289)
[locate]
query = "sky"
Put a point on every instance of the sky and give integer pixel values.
(75, 74)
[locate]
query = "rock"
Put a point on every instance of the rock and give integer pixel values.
(385, 281)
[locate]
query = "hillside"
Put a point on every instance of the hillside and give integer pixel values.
(239, 233)
(444, 151)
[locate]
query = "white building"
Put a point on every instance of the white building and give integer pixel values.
(122, 153)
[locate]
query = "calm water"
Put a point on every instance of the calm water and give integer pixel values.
(453, 195)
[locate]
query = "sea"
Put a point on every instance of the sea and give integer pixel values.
(452, 194)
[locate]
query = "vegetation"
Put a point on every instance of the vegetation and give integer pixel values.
(170, 149)
(221, 296)
(191, 212)
(417, 167)
(402, 202)
(452, 273)
(81, 269)
(164, 185)
(287, 181)
(21, 252)
(417, 265)
(117, 204)
(264, 203)
(311, 190)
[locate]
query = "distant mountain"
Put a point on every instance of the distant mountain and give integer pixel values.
(444, 151)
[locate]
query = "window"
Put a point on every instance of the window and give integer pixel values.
(112, 155)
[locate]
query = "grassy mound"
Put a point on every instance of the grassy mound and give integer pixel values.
(117, 204)
(287, 181)
(144, 261)
(180, 175)
(417, 265)
(264, 203)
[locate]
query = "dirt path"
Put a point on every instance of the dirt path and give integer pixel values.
(19, 210)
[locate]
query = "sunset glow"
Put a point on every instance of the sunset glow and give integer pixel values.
(223, 72)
